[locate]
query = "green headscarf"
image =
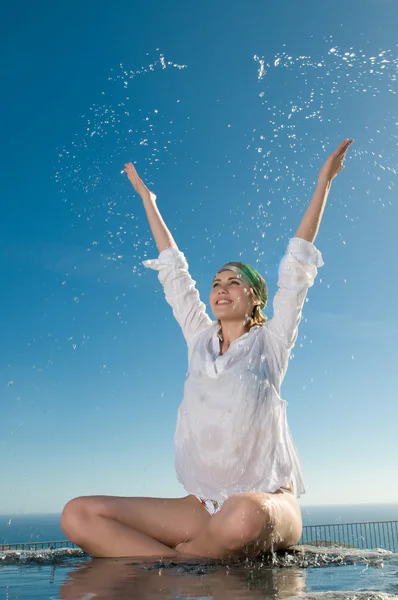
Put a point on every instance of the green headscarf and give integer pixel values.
(251, 277)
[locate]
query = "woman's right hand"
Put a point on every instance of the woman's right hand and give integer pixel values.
(137, 183)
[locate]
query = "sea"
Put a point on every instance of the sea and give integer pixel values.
(19, 528)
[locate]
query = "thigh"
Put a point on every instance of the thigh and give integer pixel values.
(167, 520)
(284, 523)
(274, 518)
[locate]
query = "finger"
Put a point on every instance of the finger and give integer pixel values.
(348, 144)
(131, 173)
(341, 155)
(341, 148)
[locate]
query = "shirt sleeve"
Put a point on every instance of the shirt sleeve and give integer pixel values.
(180, 291)
(297, 272)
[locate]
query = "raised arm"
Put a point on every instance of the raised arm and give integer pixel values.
(300, 264)
(161, 234)
(311, 220)
(172, 267)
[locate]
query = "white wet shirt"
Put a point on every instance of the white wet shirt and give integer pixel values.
(232, 433)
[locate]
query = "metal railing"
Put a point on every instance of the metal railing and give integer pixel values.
(38, 545)
(365, 536)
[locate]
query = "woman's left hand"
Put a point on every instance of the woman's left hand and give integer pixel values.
(335, 162)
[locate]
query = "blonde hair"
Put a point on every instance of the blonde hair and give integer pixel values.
(257, 318)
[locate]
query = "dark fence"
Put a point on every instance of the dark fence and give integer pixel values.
(38, 545)
(366, 536)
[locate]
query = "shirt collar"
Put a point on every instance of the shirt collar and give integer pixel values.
(220, 337)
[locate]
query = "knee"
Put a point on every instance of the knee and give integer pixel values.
(75, 516)
(241, 524)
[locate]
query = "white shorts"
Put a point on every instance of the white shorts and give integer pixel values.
(214, 506)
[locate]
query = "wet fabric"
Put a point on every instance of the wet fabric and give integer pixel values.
(232, 433)
(212, 506)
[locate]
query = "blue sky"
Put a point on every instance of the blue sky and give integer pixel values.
(228, 114)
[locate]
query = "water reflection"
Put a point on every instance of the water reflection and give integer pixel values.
(125, 578)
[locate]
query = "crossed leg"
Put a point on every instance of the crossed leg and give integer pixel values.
(248, 524)
(112, 526)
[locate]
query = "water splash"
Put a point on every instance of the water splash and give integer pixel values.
(303, 557)
(85, 164)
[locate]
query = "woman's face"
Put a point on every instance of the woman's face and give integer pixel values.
(231, 298)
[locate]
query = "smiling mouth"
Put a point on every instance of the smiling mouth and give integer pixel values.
(224, 302)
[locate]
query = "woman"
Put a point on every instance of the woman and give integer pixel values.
(234, 452)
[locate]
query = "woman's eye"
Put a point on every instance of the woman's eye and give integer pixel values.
(216, 284)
